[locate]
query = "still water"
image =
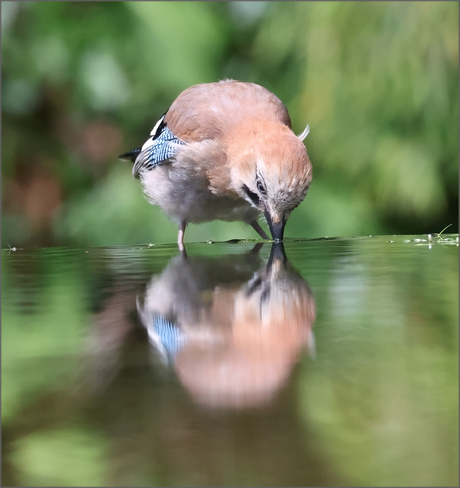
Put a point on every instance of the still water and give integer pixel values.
(328, 362)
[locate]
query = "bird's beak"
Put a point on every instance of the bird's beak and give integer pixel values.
(276, 224)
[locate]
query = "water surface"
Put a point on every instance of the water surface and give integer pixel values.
(335, 363)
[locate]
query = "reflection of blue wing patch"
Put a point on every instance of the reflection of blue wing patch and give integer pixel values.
(161, 147)
(169, 335)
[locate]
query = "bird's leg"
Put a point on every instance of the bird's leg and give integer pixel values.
(180, 236)
(255, 225)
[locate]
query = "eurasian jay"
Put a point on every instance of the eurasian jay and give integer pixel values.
(225, 151)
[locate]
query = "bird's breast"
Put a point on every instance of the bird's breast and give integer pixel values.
(187, 195)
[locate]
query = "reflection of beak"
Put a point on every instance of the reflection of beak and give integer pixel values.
(277, 263)
(277, 255)
(276, 224)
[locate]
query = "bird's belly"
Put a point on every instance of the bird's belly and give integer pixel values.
(187, 197)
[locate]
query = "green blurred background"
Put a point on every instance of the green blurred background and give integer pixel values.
(83, 82)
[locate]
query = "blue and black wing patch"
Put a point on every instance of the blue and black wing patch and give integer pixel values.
(166, 336)
(160, 147)
(170, 335)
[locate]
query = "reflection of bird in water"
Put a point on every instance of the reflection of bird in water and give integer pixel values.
(233, 333)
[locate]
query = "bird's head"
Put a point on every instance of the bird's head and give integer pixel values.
(270, 168)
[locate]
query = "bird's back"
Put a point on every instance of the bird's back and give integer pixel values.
(208, 111)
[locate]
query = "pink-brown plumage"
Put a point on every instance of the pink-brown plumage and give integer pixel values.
(234, 157)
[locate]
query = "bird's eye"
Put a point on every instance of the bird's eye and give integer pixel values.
(253, 196)
(261, 187)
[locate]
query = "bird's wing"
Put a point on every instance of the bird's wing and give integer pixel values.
(159, 148)
(206, 112)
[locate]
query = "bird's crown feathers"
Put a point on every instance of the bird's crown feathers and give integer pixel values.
(270, 159)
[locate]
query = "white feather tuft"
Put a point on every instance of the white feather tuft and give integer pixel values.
(156, 126)
(304, 133)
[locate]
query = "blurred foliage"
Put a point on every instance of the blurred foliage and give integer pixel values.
(79, 452)
(85, 81)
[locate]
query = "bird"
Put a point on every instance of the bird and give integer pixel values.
(226, 151)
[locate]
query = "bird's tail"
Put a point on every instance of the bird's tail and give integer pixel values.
(131, 155)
